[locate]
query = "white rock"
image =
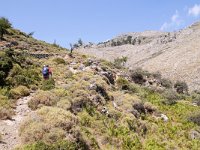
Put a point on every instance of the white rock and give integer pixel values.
(164, 117)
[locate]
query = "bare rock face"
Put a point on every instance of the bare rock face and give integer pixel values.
(175, 54)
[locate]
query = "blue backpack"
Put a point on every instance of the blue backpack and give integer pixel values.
(45, 71)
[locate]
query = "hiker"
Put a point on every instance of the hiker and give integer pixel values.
(45, 72)
(50, 71)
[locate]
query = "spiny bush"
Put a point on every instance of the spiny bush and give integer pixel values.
(65, 103)
(48, 84)
(120, 62)
(195, 118)
(166, 83)
(181, 87)
(170, 96)
(59, 60)
(196, 98)
(122, 83)
(138, 76)
(18, 92)
(5, 108)
(43, 98)
(48, 125)
(6, 113)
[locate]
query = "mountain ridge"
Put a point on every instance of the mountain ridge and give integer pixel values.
(174, 54)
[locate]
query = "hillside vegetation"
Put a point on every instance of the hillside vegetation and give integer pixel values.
(92, 104)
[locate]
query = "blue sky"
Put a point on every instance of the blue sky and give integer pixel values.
(97, 20)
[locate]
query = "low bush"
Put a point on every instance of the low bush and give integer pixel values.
(48, 125)
(48, 84)
(43, 98)
(64, 103)
(138, 76)
(181, 87)
(120, 62)
(59, 60)
(5, 108)
(19, 92)
(195, 118)
(197, 100)
(6, 113)
(166, 83)
(60, 92)
(122, 83)
(170, 97)
(139, 106)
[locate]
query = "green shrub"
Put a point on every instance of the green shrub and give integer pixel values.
(43, 98)
(166, 83)
(4, 25)
(23, 76)
(5, 67)
(171, 97)
(19, 92)
(181, 87)
(59, 60)
(120, 62)
(122, 83)
(48, 84)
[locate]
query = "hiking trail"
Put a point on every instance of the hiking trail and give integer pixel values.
(10, 128)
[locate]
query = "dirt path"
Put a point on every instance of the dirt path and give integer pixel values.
(9, 128)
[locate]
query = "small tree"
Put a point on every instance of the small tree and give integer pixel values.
(80, 42)
(30, 34)
(4, 25)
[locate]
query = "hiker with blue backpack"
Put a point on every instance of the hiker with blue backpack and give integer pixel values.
(46, 72)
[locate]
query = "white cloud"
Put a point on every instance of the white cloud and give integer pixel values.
(173, 23)
(194, 11)
(175, 17)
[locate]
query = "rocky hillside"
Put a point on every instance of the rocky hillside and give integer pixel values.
(88, 103)
(174, 54)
